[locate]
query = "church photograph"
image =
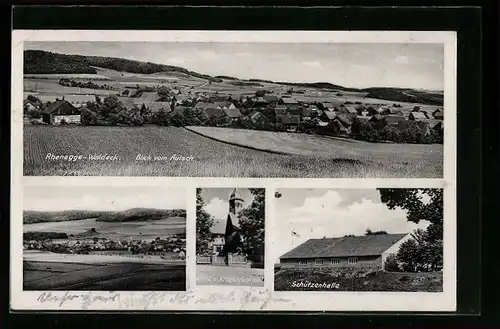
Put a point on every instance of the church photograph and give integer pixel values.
(358, 240)
(230, 231)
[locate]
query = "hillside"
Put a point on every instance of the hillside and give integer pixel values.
(43, 62)
(130, 215)
(140, 214)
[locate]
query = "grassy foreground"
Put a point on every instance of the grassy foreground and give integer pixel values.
(307, 156)
(356, 280)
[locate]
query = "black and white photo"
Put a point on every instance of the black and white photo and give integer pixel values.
(233, 109)
(359, 240)
(104, 238)
(230, 236)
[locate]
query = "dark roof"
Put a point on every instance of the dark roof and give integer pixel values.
(54, 106)
(288, 119)
(367, 245)
(394, 118)
(343, 119)
(330, 114)
(214, 112)
(271, 98)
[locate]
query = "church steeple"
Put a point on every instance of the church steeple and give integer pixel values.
(235, 202)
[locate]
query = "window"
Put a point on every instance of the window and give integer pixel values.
(302, 262)
(352, 260)
(334, 261)
(319, 261)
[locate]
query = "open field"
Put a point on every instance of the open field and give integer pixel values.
(52, 86)
(146, 230)
(290, 279)
(97, 259)
(341, 159)
(103, 277)
(74, 76)
(231, 276)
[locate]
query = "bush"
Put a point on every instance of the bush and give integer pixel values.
(391, 264)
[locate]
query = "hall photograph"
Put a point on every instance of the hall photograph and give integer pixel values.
(230, 231)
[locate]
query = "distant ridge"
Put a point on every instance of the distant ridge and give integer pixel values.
(129, 215)
(44, 62)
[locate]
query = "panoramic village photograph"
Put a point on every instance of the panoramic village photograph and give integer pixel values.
(358, 240)
(230, 236)
(213, 109)
(104, 238)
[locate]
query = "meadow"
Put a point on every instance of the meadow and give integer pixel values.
(103, 277)
(145, 230)
(320, 158)
(357, 280)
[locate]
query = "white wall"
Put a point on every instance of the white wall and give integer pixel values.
(394, 248)
(67, 118)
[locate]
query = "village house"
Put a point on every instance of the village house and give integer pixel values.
(438, 114)
(150, 96)
(280, 110)
(30, 105)
(292, 105)
(341, 125)
(59, 112)
(272, 99)
(232, 113)
(393, 120)
(328, 116)
(417, 116)
(259, 118)
(290, 121)
(369, 251)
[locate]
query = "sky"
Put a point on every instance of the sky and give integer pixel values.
(317, 213)
(358, 65)
(56, 198)
(217, 200)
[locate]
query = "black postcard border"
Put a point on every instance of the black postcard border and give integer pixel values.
(471, 28)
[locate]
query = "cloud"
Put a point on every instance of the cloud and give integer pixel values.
(325, 216)
(312, 63)
(217, 208)
(402, 60)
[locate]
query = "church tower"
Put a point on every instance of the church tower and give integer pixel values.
(235, 202)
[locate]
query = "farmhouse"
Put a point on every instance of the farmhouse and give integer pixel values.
(394, 120)
(438, 114)
(258, 118)
(233, 114)
(150, 96)
(59, 112)
(292, 105)
(30, 106)
(417, 116)
(289, 121)
(369, 251)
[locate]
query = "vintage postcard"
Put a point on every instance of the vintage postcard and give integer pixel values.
(233, 170)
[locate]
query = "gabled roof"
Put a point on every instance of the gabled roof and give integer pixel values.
(367, 245)
(351, 108)
(330, 114)
(205, 105)
(343, 119)
(232, 113)
(54, 106)
(394, 118)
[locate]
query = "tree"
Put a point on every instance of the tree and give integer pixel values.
(204, 223)
(252, 221)
(391, 264)
(425, 251)
(370, 232)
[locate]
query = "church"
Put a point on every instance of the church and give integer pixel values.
(226, 234)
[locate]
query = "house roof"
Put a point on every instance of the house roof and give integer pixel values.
(54, 106)
(257, 115)
(289, 100)
(271, 98)
(432, 122)
(367, 245)
(418, 115)
(343, 119)
(330, 114)
(288, 119)
(214, 112)
(394, 118)
(232, 113)
(362, 118)
(351, 108)
(377, 117)
(205, 105)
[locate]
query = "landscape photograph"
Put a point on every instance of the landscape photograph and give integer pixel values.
(359, 240)
(104, 238)
(230, 234)
(221, 109)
